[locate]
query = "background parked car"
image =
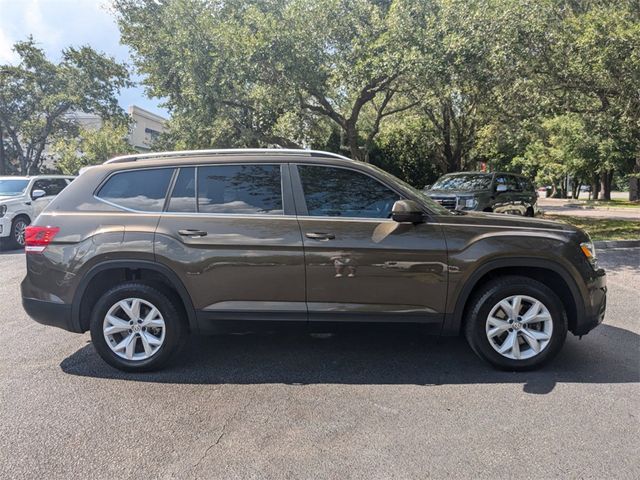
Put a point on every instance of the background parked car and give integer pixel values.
(21, 201)
(485, 192)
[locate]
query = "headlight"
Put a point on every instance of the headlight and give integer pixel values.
(589, 251)
(467, 202)
(3, 210)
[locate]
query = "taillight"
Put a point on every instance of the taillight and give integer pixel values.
(37, 238)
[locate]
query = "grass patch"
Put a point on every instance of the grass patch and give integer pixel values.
(602, 228)
(615, 203)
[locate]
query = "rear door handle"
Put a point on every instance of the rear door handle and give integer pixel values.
(320, 236)
(190, 232)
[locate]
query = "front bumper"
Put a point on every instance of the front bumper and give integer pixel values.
(5, 226)
(595, 304)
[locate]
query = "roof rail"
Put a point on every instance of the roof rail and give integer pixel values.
(225, 151)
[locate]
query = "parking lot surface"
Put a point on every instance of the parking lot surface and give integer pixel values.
(348, 406)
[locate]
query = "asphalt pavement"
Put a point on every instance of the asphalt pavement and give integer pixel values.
(349, 406)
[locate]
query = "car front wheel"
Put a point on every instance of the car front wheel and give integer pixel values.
(516, 323)
(136, 327)
(18, 229)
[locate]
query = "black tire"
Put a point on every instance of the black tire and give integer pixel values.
(175, 326)
(493, 292)
(20, 222)
(529, 212)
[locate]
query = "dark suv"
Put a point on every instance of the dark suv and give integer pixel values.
(485, 192)
(145, 249)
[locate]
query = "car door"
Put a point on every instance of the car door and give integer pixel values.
(360, 264)
(230, 232)
(527, 195)
(504, 200)
(51, 187)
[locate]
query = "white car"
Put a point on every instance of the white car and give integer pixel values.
(21, 201)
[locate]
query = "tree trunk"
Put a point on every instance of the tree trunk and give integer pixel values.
(595, 187)
(452, 158)
(605, 184)
(634, 183)
(352, 142)
(3, 168)
(575, 191)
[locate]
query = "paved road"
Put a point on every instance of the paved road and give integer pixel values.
(374, 406)
(559, 206)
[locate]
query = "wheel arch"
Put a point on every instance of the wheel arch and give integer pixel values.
(545, 271)
(103, 274)
(22, 214)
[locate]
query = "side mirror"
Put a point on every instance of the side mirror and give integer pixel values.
(501, 188)
(426, 187)
(38, 194)
(407, 211)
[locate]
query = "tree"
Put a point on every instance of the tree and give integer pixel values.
(37, 98)
(278, 72)
(580, 57)
(91, 147)
(564, 150)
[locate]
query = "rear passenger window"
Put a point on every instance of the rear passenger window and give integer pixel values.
(142, 190)
(240, 189)
(183, 197)
(525, 184)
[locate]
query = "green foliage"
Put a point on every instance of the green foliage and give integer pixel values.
(38, 98)
(259, 73)
(421, 87)
(91, 147)
(406, 150)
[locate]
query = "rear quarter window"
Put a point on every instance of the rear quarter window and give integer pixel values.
(142, 190)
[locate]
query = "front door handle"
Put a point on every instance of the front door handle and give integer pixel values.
(320, 236)
(190, 232)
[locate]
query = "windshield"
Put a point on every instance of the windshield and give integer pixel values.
(433, 206)
(12, 187)
(465, 182)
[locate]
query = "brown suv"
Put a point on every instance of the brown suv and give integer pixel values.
(146, 248)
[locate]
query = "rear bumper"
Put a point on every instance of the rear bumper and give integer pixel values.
(49, 313)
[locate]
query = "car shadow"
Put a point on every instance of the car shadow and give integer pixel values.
(607, 355)
(6, 251)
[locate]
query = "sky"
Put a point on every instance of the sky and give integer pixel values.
(56, 24)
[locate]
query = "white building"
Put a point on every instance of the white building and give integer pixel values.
(144, 129)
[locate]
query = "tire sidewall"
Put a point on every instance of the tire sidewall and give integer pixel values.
(12, 238)
(477, 333)
(173, 326)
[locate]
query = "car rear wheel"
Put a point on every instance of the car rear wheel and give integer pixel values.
(136, 327)
(516, 323)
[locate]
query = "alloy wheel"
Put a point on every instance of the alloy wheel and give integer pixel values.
(134, 329)
(519, 327)
(18, 232)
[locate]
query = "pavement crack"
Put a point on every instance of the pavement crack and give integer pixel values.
(222, 432)
(206, 452)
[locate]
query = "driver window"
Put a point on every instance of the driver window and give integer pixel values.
(340, 192)
(51, 187)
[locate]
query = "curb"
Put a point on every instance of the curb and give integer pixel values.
(605, 209)
(603, 244)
